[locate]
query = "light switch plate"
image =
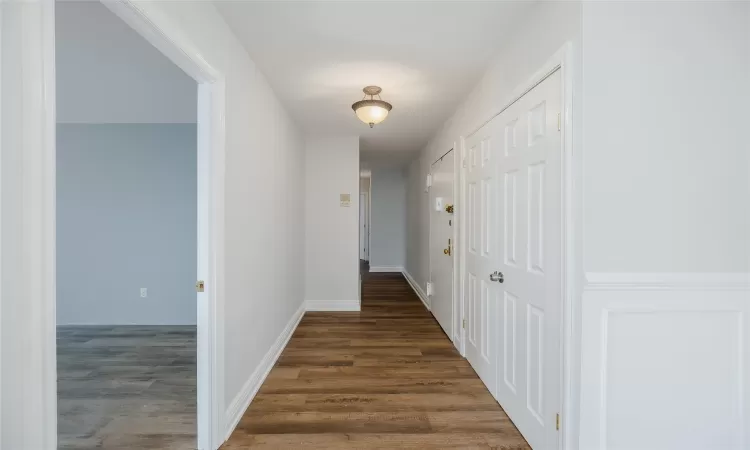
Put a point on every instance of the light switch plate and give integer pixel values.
(438, 203)
(345, 200)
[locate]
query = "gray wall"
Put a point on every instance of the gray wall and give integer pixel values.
(388, 222)
(126, 219)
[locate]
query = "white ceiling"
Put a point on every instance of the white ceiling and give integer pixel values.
(426, 55)
(107, 73)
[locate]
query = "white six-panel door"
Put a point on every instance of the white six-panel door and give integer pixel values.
(513, 220)
(480, 293)
(529, 161)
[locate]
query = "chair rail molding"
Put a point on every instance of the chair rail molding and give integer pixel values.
(608, 281)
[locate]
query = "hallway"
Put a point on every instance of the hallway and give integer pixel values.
(385, 377)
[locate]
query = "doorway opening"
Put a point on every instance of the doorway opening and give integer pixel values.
(191, 355)
(126, 220)
(365, 182)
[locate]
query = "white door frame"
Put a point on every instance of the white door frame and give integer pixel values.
(366, 206)
(32, 365)
(571, 243)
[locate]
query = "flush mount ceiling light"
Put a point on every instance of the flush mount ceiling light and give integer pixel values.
(371, 110)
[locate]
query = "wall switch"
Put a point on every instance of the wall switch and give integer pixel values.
(429, 288)
(144, 292)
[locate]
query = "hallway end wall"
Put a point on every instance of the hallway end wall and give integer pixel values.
(388, 200)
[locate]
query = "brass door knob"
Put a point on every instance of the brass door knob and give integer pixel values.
(447, 251)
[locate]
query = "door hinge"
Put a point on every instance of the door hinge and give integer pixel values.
(559, 122)
(557, 422)
(463, 324)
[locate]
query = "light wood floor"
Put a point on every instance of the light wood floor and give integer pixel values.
(384, 378)
(126, 387)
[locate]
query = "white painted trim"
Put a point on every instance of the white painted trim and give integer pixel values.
(417, 289)
(596, 281)
(29, 357)
(332, 305)
(456, 324)
(243, 399)
(461, 242)
(386, 269)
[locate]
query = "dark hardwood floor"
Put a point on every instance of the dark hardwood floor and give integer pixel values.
(386, 377)
(126, 387)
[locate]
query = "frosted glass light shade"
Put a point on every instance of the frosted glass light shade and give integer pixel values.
(372, 112)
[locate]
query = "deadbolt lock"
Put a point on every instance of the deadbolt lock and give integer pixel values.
(447, 251)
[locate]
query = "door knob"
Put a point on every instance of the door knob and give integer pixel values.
(497, 276)
(447, 251)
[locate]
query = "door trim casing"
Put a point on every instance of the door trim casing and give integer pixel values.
(571, 243)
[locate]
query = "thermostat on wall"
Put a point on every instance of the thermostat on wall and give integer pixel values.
(345, 200)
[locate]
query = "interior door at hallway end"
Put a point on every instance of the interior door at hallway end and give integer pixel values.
(441, 241)
(514, 196)
(364, 228)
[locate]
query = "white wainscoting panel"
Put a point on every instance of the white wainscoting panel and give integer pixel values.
(665, 362)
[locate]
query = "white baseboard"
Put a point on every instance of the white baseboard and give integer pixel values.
(332, 305)
(245, 396)
(420, 293)
(386, 269)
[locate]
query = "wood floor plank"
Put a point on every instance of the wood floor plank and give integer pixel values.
(126, 387)
(383, 378)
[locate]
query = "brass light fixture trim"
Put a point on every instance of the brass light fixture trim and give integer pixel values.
(371, 110)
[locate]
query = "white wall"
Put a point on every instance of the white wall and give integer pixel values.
(667, 226)
(108, 73)
(264, 215)
(388, 231)
(331, 231)
(126, 209)
(418, 222)
(666, 166)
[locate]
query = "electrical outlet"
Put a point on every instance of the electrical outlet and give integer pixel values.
(144, 292)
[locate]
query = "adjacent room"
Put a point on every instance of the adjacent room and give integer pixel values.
(126, 233)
